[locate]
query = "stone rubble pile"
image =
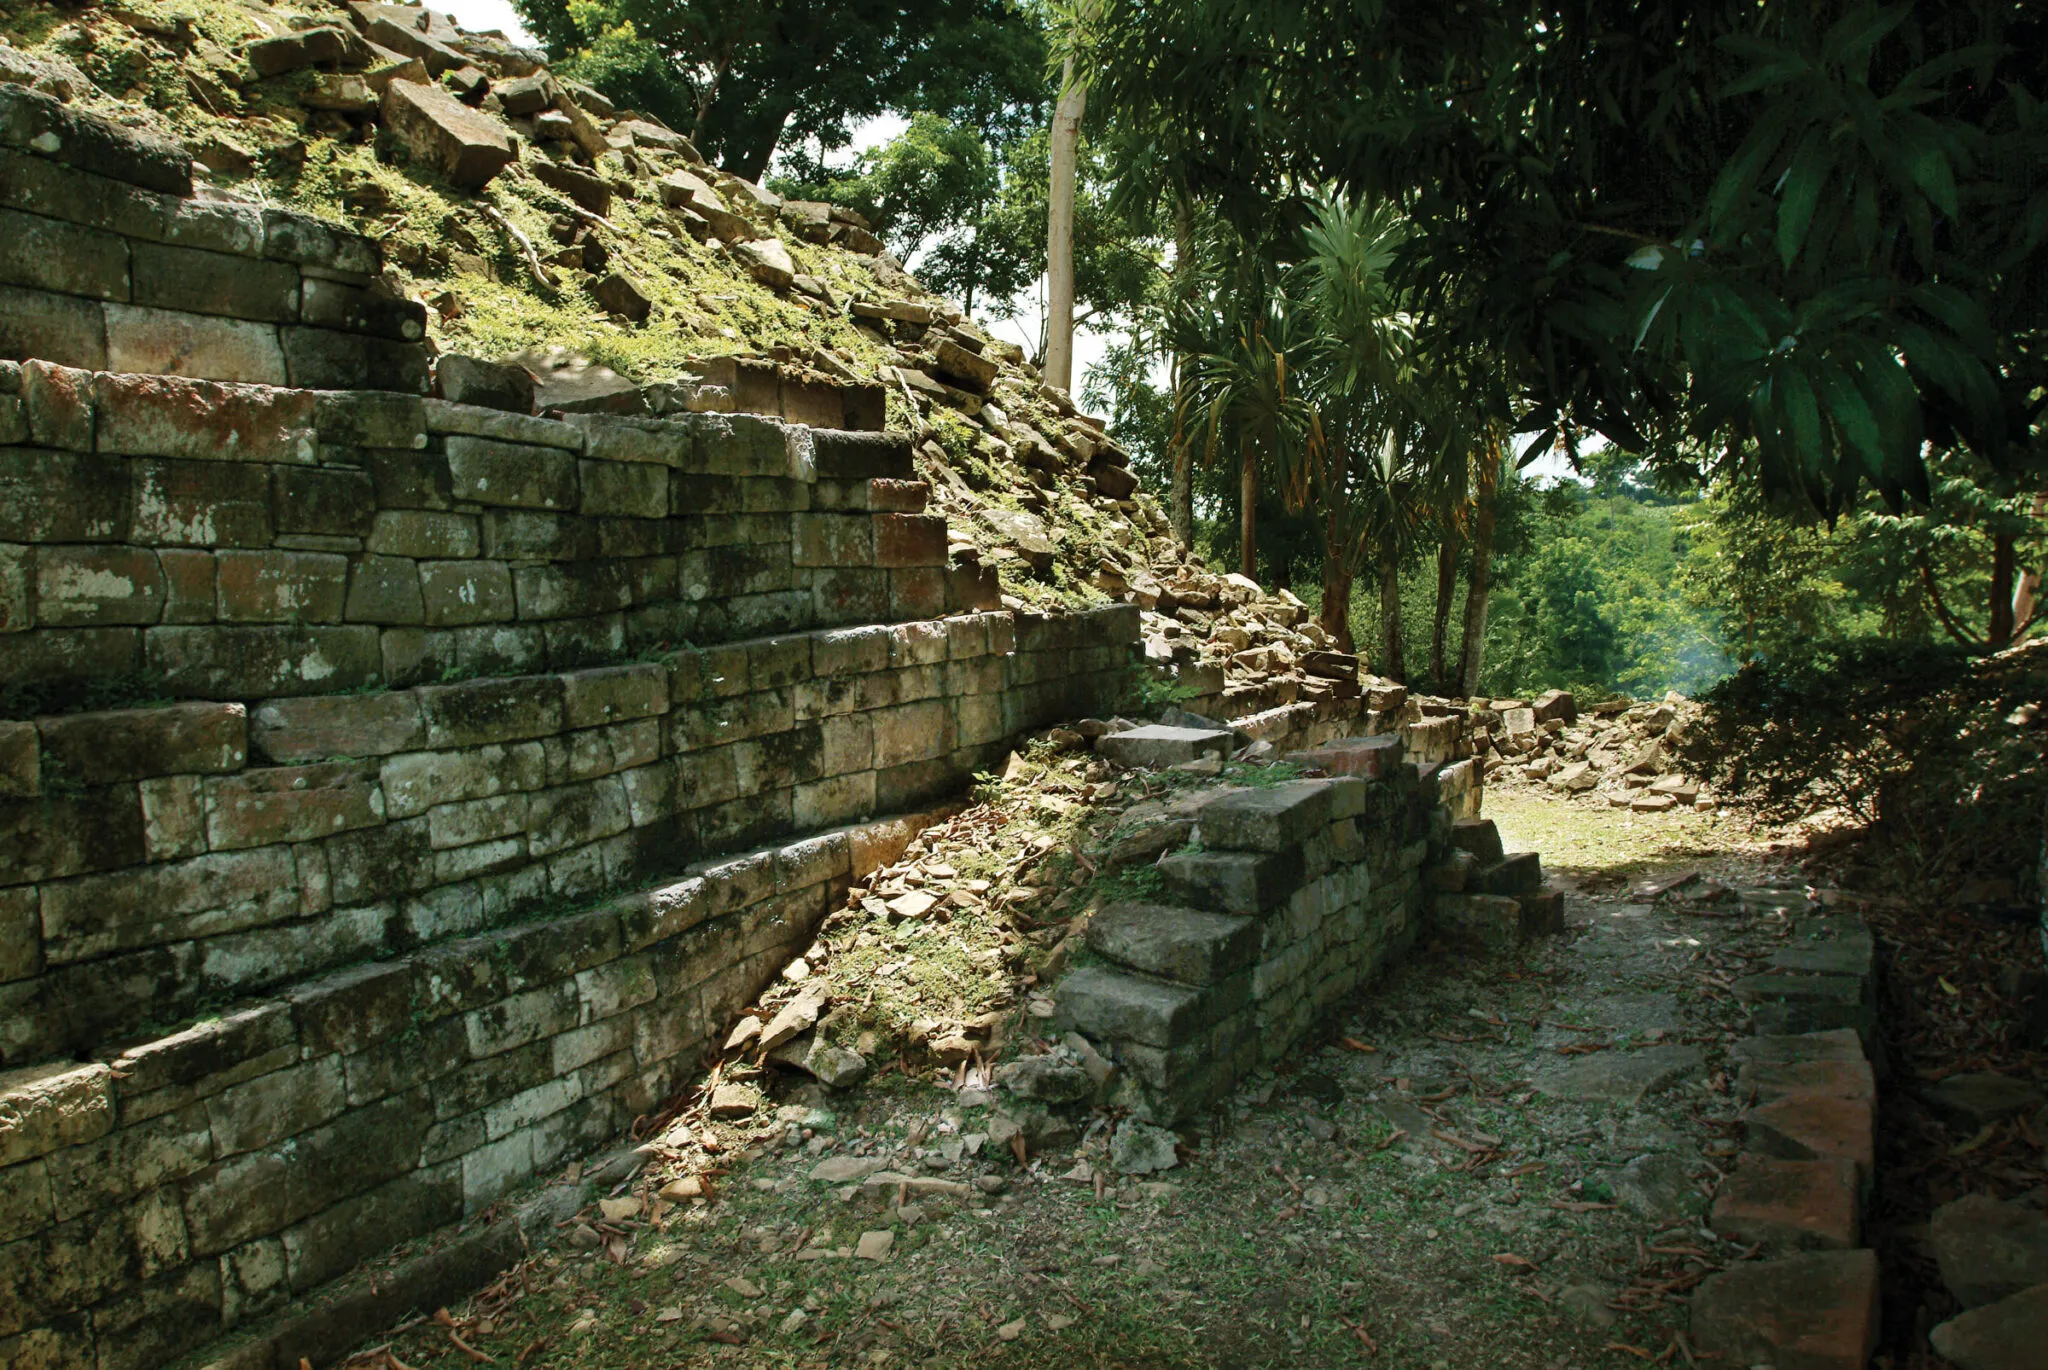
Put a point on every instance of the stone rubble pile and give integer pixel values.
(1619, 752)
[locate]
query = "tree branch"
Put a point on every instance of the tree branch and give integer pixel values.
(1948, 620)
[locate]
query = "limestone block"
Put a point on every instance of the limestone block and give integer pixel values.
(32, 120)
(635, 490)
(257, 662)
(168, 416)
(1807, 1312)
(174, 343)
(77, 585)
(52, 254)
(1109, 1006)
(58, 328)
(44, 1108)
(1183, 945)
(1989, 1250)
(1278, 819)
(38, 185)
(332, 304)
(2001, 1336)
(467, 147)
(514, 474)
(199, 504)
(1812, 1205)
(215, 283)
(424, 533)
(291, 804)
(280, 587)
(328, 359)
(119, 745)
(460, 592)
(1158, 745)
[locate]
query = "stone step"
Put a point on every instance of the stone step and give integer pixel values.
(1232, 881)
(1786, 1205)
(1805, 1312)
(1765, 1082)
(1478, 836)
(1783, 1002)
(1281, 818)
(1514, 875)
(1835, 1044)
(1814, 1127)
(1186, 946)
(1107, 1005)
(1157, 746)
(1368, 758)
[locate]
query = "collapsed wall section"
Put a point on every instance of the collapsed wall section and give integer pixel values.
(109, 261)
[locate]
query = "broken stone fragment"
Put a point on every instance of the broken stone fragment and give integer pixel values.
(735, 1101)
(2007, 1335)
(1048, 1079)
(799, 1015)
(467, 147)
(1141, 1149)
(767, 260)
(1156, 745)
(969, 369)
(622, 297)
(1989, 1250)
(593, 193)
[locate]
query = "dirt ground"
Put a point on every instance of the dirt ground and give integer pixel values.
(1483, 1163)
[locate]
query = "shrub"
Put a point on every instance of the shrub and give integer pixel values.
(1940, 755)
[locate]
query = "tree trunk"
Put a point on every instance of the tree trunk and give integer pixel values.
(1059, 256)
(1248, 515)
(1394, 665)
(1446, 591)
(2003, 571)
(1479, 586)
(1182, 512)
(1336, 613)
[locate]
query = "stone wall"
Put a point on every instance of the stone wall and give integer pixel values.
(108, 261)
(1288, 899)
(188, 1185)
(155, 859)
(239, 542)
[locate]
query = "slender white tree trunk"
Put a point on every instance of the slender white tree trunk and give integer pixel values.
(1059, 257)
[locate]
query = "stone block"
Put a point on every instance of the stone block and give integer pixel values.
(94, 505)
(291, 804)
(1784, 1002)
(38, 185)
(472, 383)
(200, 503)
(1277, 819)
(1975, 1100)
(571, 589)
(280, 586)
(384, 590)
(504, 473)
(325, 500)
(272, 1107)
(1368, 758)
(62, 329)
(1988, 1250)
(20, 760)
(78, 586)
(175, 343)
(133, 744)
(481, 711)
(1514, 875)
(424, 534)
(71, 259)
(258, 662)
(372, 419)
(1108, 1006)
(349, 309)
(1156, 745)
(218, 893)
(1186, 946)
(331, 1243)
(907, 540)
(614, 694)
(329, 359)
(46, 1108)
(460, 592)
(628, 489)
(214, 225)
(1807, 1312)
(1844, 1079)
(170, 1071)
(1809, 1205)
(1478, 836)
(1840, 1044)
(199, 282)
(1233, 882)
(169, 416)
(463, 145)
(2006, 1335)
(1810, 1127)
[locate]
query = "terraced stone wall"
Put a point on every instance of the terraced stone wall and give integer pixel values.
(239, 542)
(108, 260)
(1288, 899)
